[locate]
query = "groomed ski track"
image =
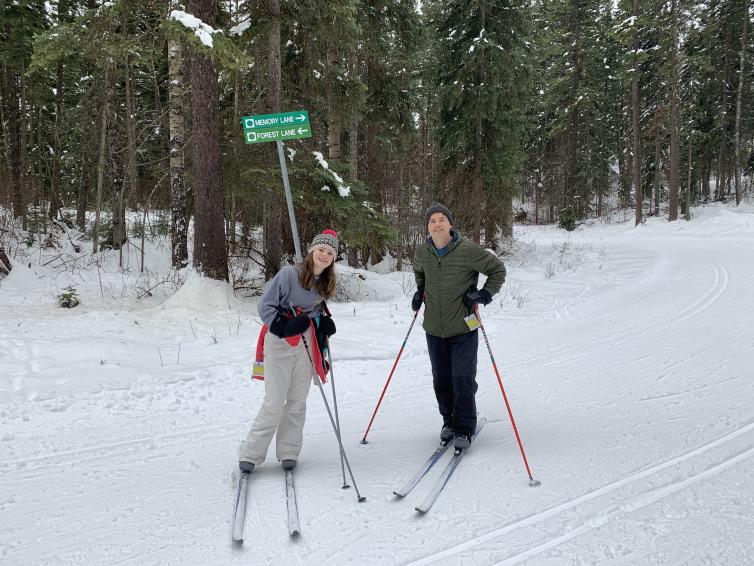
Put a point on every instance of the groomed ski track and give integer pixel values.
(629, 377)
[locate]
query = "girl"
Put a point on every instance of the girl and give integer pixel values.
(299, 289)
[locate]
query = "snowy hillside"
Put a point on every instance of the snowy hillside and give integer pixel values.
(627, 356)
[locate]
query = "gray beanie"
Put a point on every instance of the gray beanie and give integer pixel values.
(434, 208)
(327, 238)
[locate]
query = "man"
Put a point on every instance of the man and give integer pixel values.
(447, 272)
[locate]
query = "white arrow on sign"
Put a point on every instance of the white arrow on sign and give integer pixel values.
(301, 118)
(302, 131)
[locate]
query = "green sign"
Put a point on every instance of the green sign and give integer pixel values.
(276, 127)
(267, 121)
(277, 134)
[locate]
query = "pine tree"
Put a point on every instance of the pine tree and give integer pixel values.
(483, 79)
(19, 22)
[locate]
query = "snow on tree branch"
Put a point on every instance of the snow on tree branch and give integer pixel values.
(202, 30)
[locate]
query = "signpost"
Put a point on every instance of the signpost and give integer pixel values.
(277, 128)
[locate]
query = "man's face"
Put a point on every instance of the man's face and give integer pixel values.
(439, 227)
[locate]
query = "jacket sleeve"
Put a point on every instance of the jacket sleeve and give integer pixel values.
(275, 296)
(490, 265)
(418, 271)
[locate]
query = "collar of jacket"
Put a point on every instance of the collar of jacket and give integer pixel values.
(454, 239)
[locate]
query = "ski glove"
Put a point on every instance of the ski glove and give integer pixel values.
(416, 302)
(477, 297)
(326, 325)
(283, 327)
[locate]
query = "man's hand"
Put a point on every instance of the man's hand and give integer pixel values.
(416, 302)
(477, 297)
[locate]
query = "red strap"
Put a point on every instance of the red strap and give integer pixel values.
(293, 341)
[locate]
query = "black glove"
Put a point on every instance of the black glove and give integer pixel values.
(477, 297)
(416, 302)
(283, 327)
(326, 325)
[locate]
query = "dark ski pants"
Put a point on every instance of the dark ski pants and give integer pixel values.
(454, 376)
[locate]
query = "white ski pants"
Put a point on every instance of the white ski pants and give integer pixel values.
(287, 378)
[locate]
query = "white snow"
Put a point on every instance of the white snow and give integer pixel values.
(626, 354)
(343, 190)
(241, 27)
(203, 31)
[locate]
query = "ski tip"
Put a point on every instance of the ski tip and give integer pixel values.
(295, 534)
(237, 542)
(398, 494)
(420, 510)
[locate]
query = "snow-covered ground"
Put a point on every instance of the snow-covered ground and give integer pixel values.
(626, 355)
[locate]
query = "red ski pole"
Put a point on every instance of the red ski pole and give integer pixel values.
(532, 481)
(364, 440)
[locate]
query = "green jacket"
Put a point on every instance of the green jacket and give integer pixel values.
(446, 279)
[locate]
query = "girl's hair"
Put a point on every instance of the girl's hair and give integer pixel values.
(325, 285)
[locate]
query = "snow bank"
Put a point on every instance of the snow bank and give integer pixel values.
(203, 293)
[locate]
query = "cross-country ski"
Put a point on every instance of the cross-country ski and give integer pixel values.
(291, 504)
(426, 467)
(239, 513)
(442, 481)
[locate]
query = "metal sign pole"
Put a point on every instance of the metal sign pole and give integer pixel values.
(289, 200)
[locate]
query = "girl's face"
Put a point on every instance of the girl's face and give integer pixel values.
(323, 256)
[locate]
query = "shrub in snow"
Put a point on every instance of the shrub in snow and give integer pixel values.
(68, 298)
(567, 219)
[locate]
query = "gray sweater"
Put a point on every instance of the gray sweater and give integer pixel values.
(285, 292)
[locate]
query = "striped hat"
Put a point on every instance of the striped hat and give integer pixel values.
(327, 238)
(434, 208)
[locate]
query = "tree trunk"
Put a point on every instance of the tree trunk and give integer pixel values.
(686, 208)
(722, 165)
(179, 213)
(353, 132)
(675, 119)
(273, 233)
(237, 146)
(164, 132)
(100, 178)
(116, 172)
(353, 149)
(131, 171)
(23, 135)
(658, 168)
(210, 247)
(17, 195)
(739, 99)
(635, 124)
(83, 189)
(55, 176)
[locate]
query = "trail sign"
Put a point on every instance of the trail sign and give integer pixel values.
(289, 119)
(262, 135)
(279, 127)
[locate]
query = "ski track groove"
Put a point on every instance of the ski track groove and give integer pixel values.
(718, 287)
(629, 505)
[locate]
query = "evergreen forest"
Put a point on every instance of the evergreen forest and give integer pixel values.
(119, 115)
